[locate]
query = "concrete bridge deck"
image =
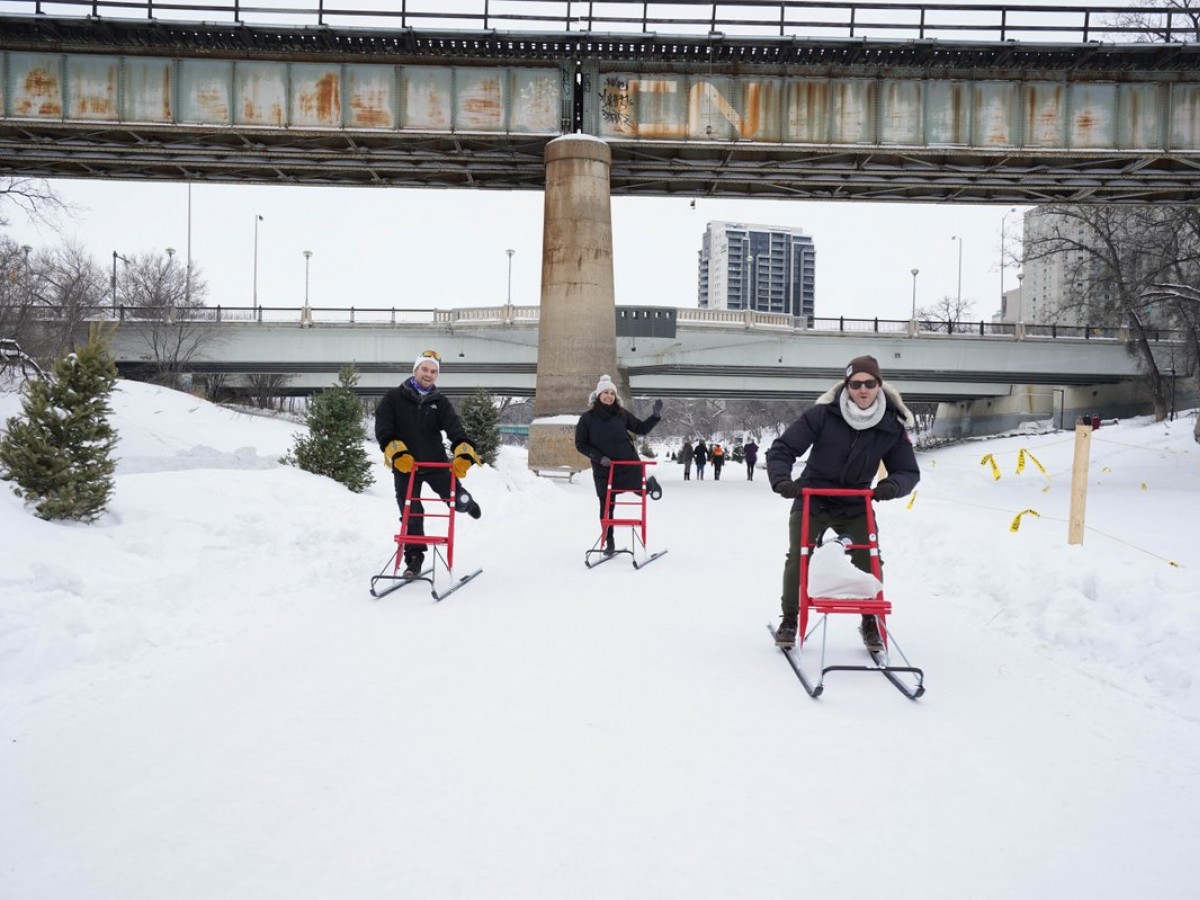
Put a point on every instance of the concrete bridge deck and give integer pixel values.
(698, 352)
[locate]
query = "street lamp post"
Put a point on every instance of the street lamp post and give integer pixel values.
(510, 253)
(116, 256)
(257, 219)
(750, 287)
(1003, 247)
(914, 305)
(306, 316)
(187, 280)
(960, 243)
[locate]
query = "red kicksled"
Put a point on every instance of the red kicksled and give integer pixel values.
(908, 679)
(626, 508)
(441, 545)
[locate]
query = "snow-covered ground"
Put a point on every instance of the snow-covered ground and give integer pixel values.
(200, 699)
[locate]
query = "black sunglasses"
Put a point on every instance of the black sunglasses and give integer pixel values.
(869, 383)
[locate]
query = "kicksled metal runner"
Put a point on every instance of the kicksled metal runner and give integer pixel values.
(815, 612)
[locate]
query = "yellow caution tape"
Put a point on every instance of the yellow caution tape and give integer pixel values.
(1033, 459)
(1016, 522)
(995, 468)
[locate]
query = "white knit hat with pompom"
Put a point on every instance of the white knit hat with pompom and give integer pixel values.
(604, 384)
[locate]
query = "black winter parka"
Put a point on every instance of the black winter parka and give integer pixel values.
(404, 414)
(604, 431)
(842, 457)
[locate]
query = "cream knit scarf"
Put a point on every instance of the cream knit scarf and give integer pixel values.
(862, 419)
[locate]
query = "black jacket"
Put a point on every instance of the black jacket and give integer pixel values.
(604, 431)
(404, 414)
(842, 457)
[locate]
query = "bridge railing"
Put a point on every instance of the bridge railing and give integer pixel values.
(743, 18)
(509, 314)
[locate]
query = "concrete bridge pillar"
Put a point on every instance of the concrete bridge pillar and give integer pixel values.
(577, 332)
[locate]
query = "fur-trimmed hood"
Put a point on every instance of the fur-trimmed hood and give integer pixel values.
(891, 395)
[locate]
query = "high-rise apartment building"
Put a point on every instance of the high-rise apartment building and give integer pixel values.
(759, 267)
(1057, 288)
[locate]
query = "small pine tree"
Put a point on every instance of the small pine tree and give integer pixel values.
(60, 453)
(334, 444)
(481, 419)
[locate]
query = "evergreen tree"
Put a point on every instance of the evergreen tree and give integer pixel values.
(334, 445)
(481, 419)
(59, 454)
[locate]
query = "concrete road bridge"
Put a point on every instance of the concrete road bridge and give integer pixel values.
(661, 352)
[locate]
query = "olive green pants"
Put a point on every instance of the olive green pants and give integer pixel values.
(855, 526)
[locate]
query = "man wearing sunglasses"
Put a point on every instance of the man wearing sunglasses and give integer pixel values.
(409, 423)
(852, 428)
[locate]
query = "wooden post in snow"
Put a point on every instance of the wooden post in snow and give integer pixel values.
(1079, 475)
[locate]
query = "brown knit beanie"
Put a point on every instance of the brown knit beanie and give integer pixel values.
(867, 365)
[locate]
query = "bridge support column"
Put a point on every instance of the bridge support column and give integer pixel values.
(577, 331)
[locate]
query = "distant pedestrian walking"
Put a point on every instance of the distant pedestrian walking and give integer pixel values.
(685, 457)
(700, 456)
(751, 450)
(718, 460)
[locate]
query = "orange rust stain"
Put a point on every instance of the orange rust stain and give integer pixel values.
(323, 102)
(369, 110)
(752, 113)
(486, 104)
(166, 95)
(211, 102)
(95, 106)
(329, 100)
(39, 94)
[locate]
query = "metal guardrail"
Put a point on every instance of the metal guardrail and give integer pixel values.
(510, 315)
(743, 18)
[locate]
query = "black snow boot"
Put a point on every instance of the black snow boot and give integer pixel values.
(785, 634)
(413, 565)
(610, 546)
(870, 634)
(466, 503)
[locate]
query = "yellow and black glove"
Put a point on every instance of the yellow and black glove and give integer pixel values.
(397, 456)
(465, 457)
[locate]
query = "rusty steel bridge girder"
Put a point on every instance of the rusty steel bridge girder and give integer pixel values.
(717, 116)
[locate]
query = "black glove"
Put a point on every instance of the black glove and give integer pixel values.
(605, 461)
(658, 407)
(789, 489)
(886, 490)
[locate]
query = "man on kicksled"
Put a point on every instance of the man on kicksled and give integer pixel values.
(409, 422)
(852, 427)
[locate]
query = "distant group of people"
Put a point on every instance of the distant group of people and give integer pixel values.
(700, 454)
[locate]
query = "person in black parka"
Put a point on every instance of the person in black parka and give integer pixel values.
(700, 457)
(409, 422)
(750, 449)
(853, 427)
(602, 435)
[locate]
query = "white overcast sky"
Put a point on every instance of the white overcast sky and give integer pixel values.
(384, 247)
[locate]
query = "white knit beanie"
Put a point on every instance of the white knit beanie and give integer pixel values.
(604, 384)
(425, 358)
